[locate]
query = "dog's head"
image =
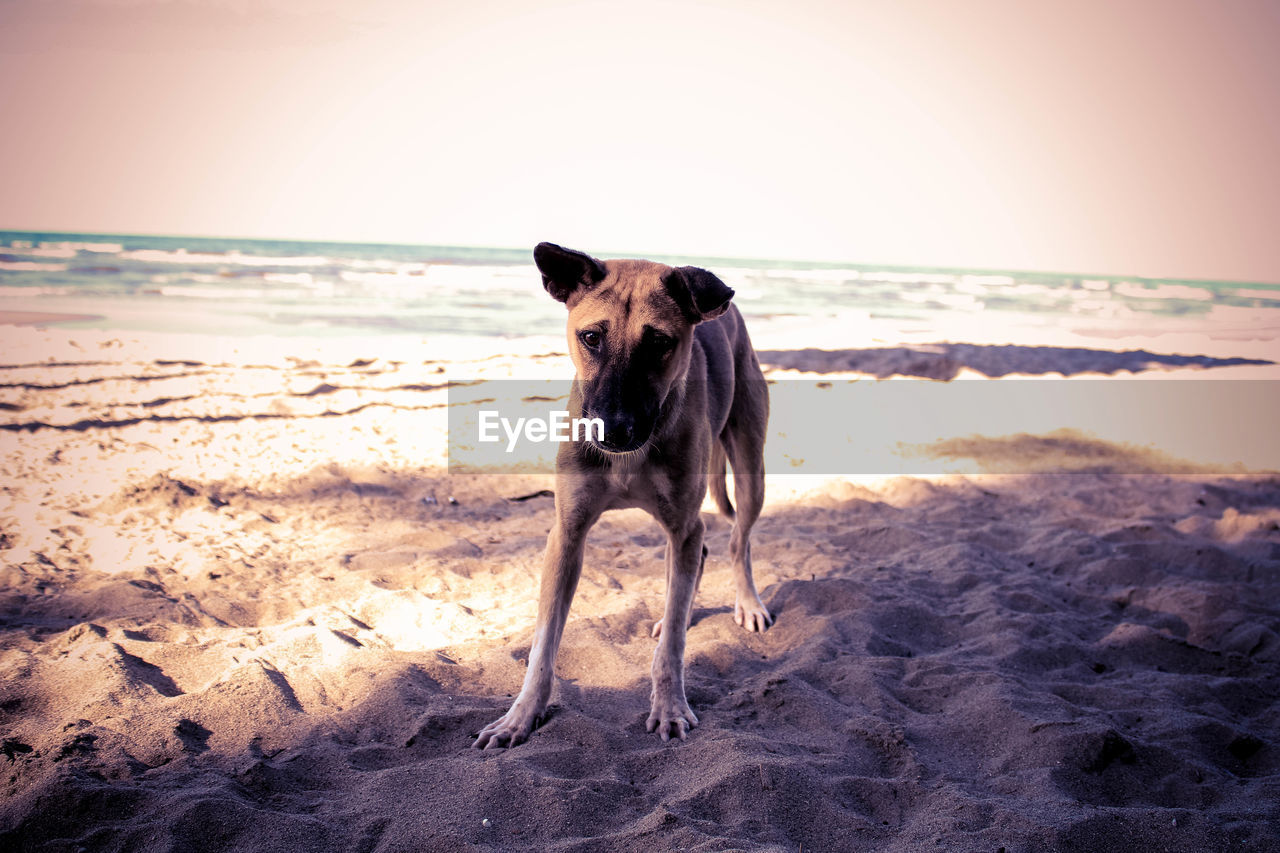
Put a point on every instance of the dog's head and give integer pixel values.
(630, 333)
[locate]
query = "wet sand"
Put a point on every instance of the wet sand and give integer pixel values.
(42, 318)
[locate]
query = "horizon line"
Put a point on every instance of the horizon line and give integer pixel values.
(728, 259)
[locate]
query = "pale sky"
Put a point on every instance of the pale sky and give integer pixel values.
(1111, 136)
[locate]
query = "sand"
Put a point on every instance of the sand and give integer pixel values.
(243, 606)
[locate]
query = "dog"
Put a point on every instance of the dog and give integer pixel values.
(663, 359)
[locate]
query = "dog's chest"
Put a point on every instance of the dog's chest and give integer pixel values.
(626, 479)
(639, 487)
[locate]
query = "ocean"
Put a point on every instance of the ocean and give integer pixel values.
(235, 286)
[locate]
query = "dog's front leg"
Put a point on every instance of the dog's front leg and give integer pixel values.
(670, 712)
(560, 571)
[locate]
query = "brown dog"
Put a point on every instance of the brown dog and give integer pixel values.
(664, 361)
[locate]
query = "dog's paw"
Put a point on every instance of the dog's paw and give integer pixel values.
(753, 615)
(511, 729)
(671, 716)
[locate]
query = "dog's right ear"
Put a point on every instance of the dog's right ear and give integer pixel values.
(700, 294)
(564, 270)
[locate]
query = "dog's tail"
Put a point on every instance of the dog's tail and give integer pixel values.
(716, 478)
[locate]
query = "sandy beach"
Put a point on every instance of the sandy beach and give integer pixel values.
(244, 606)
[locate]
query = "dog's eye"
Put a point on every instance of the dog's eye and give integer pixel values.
(663, 343)
(590, 338)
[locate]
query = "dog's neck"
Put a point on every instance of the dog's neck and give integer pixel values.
(673, 403)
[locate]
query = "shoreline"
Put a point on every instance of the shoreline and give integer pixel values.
(44, 318)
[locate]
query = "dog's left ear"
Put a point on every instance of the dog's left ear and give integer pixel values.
(565, 270)
(700, 294)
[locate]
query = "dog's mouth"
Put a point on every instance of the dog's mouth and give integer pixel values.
(615, 450)
(620, 443)
(614, 457)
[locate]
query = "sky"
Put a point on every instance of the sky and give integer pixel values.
(1136, 137)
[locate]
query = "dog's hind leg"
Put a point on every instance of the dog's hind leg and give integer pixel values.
(745, 448)
(697, 583)
(716, 480)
